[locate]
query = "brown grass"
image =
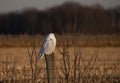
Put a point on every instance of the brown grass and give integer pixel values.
(83, 40)
(89, 64)
(15, 64)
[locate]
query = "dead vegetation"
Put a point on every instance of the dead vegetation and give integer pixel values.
(73, 65)
(70, 68)
(83, 40)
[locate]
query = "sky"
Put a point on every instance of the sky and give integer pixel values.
(17, 5)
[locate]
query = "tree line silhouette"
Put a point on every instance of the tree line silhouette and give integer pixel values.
(68, 18)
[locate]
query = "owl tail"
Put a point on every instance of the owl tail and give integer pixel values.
(40, 56)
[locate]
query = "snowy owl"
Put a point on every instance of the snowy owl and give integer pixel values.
(48, 45)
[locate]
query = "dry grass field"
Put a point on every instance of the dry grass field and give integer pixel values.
(82, 40)
(97, 61)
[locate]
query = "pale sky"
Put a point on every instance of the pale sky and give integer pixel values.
(17, 5)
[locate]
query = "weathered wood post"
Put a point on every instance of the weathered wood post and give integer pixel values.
(51, 69)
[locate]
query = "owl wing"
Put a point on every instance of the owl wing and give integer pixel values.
(47, 47)
(41, 52)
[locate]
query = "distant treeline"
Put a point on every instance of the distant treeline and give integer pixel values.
(69, 17)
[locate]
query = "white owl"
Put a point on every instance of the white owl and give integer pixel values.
(48, 46)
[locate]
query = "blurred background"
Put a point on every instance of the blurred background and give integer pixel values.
(58, 16)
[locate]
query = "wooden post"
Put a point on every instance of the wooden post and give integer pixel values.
(50, 67)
